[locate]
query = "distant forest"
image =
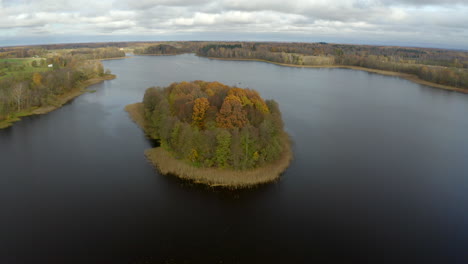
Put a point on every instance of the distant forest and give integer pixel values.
(440, 66)
(446, 67)
(161, 49)
(209, 124)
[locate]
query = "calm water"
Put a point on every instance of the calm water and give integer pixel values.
(380, 175)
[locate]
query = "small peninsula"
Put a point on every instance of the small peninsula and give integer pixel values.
(35, 81)
(214, 134)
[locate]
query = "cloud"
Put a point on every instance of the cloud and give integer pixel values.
(366, 21)
(427, 2)
(145, 4)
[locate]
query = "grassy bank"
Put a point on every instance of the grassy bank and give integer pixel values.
(410, 77)
(168, 54)
(167, 164)
(115, 58)
(60, 101)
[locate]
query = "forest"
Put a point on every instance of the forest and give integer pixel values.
(446, 67)
(35, 77)
(440, 66)
(161, 49)
(84, 53)
(211, 125)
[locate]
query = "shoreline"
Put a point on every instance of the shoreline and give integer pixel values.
(168, 54)
(406, 76)
(166, 164)
(61, 100)
(115, 58)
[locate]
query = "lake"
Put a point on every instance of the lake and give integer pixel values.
(380, 175)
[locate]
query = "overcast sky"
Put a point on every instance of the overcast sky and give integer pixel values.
(433, 23)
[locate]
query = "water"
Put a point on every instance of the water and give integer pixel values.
(380, 175)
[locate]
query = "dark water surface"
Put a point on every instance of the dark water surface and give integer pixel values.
(380, 175)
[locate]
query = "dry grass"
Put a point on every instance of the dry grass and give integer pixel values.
(167, 164)
(136, 112)
(115, 58)
(318, 60)
(8, 122)
(168, 54)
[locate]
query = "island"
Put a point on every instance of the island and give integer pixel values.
(214, 134)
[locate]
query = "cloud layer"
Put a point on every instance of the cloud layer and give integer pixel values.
(411, 22)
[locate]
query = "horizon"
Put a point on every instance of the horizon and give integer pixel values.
(407, 23)
(29, 43)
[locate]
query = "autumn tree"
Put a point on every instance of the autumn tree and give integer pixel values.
(200, 107)
(231, 113)
(223, 148)
(242, 132)
(37, 79)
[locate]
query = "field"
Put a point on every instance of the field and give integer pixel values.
(14, 66)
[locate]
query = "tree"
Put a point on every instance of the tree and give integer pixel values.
(249, 138)
(174, 138)
(223, 148)
(239, 92)
(200, 107)
(18, 94)
(37, 79)
(151, 99)
(237, 153)
(231, 113)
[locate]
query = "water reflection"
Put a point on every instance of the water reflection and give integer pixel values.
(379, 175)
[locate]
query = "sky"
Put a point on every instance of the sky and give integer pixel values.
(424, 23)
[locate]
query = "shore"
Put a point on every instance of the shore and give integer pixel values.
(136, 112)
(115, 58)
(409, 77)
(233, 179)
(61, 100)
(168, 54)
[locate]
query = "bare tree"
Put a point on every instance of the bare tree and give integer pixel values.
(18, 94)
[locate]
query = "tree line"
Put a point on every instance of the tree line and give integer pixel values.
(97, 53)
(79, 54)
(445, 67)
(441, 66)
(209, 124)
(160, 49)
(24, 90)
